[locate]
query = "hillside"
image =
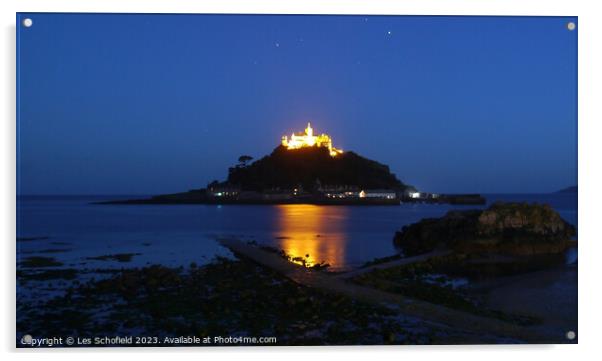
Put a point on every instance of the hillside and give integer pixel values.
(310, 167)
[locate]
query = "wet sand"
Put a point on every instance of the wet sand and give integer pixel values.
(549, 295)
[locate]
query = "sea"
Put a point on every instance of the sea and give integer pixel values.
(79, 233)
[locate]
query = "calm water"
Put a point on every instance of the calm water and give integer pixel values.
(342, 236)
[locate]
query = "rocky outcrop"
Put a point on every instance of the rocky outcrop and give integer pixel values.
(517, 229)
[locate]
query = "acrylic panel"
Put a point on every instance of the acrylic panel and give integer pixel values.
(274, 180)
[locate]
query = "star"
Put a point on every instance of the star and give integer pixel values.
(389, 32)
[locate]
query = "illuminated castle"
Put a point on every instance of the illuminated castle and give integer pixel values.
(308, 139)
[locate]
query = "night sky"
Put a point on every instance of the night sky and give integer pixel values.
(148, 104)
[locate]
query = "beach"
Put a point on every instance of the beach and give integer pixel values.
(68, 246)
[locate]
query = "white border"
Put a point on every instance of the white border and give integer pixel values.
(590, 97)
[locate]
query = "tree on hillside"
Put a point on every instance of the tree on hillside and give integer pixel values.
(244, 159)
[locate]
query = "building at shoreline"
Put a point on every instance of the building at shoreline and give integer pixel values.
(308, 139)
(378, 193)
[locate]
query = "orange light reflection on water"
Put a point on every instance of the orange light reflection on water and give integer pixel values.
(315, 233)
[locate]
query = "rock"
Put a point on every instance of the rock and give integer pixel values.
(517, 229)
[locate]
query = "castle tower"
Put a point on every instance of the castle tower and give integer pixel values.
(309, 131)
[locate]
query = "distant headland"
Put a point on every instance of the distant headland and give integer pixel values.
(572, 189)
(307, 168)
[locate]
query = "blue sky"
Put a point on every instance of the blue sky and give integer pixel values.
(147, 104)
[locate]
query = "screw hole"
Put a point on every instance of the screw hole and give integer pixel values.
(571, 26)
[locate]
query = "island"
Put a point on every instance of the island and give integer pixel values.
(306, 168)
